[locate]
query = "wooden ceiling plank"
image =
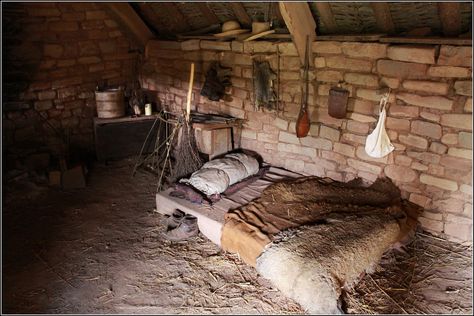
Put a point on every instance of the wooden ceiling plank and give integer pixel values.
(327, 17)
(181, 24)
(277, 13)
(130, 19)
(450, 16)
(242, 15)
(300, 23)
(208, 14)
(383, 17)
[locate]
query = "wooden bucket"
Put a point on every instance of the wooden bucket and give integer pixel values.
(110, 103)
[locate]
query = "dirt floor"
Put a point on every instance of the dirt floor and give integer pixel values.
(100, 250)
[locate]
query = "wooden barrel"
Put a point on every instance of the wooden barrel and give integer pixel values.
(110, 103)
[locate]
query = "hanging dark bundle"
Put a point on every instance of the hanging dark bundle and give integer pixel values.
(217, 79)
(263, 85)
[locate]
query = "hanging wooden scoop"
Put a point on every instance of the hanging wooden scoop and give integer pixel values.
(302, 123)
(190, 94)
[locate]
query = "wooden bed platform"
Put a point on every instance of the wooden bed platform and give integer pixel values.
(211, 218)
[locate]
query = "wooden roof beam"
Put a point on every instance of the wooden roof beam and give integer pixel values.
(450, 16)
(300, 23)
(327, 17)
(208, 14)
(383, 17)
(241, 14)
(131, 21)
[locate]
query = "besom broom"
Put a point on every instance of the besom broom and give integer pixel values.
(187, 159)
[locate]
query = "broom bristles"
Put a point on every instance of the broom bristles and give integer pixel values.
(187, 159)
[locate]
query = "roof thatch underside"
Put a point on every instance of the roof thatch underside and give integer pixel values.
(168, 19)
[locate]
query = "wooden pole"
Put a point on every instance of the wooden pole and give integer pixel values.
(190, 93)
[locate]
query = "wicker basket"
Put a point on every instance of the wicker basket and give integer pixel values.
(337, 103)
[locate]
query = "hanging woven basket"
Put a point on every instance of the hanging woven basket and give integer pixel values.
(337, 103)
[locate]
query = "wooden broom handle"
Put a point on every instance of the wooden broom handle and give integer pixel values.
(190, 93)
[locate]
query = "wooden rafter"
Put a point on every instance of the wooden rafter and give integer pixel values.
(241, 14)
(450, 16)
(327, 17)
(208, 14)
(148, 14)
(300, 23)
(133, 24)
(383, 17)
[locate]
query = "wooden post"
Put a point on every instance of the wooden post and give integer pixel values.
(300, 23)
(241, 14)
(130, 19)
(327, 17)
(383, 17)
(450, 16)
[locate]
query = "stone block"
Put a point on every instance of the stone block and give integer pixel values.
(34, 10)
(287, 49)
(449, 72)
(237, 46)
(361, 79)
(455, 55)
(357, 127)
(364, 166)
(47, 95)
(333, 156)
(419, 166)
(213, 45)
(463, 87)
(430, 116)
(344, 149)
(464, 188)
(403, 160)
(403, 111)
(96, 15)
(353, 138)
(397, 124)
(43, 105)
(468, 105)
(259, 47)
(439, 182)
(290, 63)
(414, 141)
(459, 232)
(373, 95)
(369, 50)
(460, 153)
(242, 59)
(281, 123)
(450, 139)
(426, 86)
(326, 47)
(313, 129)
(459, 121)
(63, 26)
(392, 83)
(400, 69)
(400, 173)
(430, 224)
(438, 148)
(361, 118)
(465, 140)
(314, 169)
(433, 102)
(329, 76)
(286, 137)
(426, 129)
(422, 201)
(267, 138)
(361, 106)
(424, 156)
(294, 165)
(89, 60)
(456, 163)
(295, 149)
(418, 54)
(329, 133)
(286, 75)
(319, 143)
(53, 50)
(341, 62)
(319, 62)
(246, 133)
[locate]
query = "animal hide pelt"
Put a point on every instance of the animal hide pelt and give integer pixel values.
(313, 263)
(263, 85)
(217, 79)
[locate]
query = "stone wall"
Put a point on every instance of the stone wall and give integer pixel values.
(55, 54)
(429, 116)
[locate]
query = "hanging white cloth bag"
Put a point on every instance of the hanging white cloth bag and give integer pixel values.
(378, 143)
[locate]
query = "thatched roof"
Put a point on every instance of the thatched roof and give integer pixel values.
(167, 20)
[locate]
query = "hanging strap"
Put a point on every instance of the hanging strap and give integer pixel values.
(384, 101)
